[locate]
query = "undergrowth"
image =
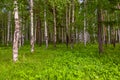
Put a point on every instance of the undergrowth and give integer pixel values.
(61, 63)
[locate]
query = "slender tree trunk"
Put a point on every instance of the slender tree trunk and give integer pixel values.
(54, 13)
(67, 37)
(9, 24)
(119, 35)
(20, 33)
(72, 36)
(69, 21)
(100, 31)
(27, 30)
(77, 37)
(46, 32)
(109, 30)
(62, 34)
(3, 32)
(23, 35)
(23, 29)
(43, 36)
(59, 34)
(38, 32)
(11, 34)
(85, 25)
(35, 26)
(105, 35)
(35, 32)
(109, 34)
(113, 37)
(16, 32)
(32, 31)
(116, 39)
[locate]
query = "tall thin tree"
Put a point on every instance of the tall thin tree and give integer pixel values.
(45, 24)
(8, 29)
(85, 22)
(16, 32)
(67, 37)
(32, 31)
(73, 14)
(100, 40)
(54, 13)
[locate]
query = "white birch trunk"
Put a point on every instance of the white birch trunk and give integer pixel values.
(31, 23)
(16, 32)
(46, 32)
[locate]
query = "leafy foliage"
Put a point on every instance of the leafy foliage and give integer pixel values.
(61, 63)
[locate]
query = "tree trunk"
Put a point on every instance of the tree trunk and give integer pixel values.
(5, 25)
(109, 34)
(3, 32)
(9, 24)
(54, 13)
(100, 42)
(119, 35)
(62, 34)
(20, 33)
(23, 35)
(116, 32)
(77, 35)
(32, 32)
(67, 37)
(85, 25)
(72, 36)
(113, 37)
(38, 32)
(16, 32)
(11, 34)
(45, 22)
(105, 35)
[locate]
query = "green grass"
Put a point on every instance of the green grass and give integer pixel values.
(81, 63)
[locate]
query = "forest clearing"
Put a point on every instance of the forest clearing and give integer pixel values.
(59, 39)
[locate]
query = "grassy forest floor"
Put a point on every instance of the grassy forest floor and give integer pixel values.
(61, 63)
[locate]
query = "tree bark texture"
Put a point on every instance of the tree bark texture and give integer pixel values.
(100, 41)
(72, 36)
(16, 32)
(45, 24)
(67, 37)
(54, 13)
(32, 30)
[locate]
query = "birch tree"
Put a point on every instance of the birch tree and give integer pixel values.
(45, 24)
(16, 32)
(31, 24)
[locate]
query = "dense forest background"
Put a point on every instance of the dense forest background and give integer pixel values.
(66, 25)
